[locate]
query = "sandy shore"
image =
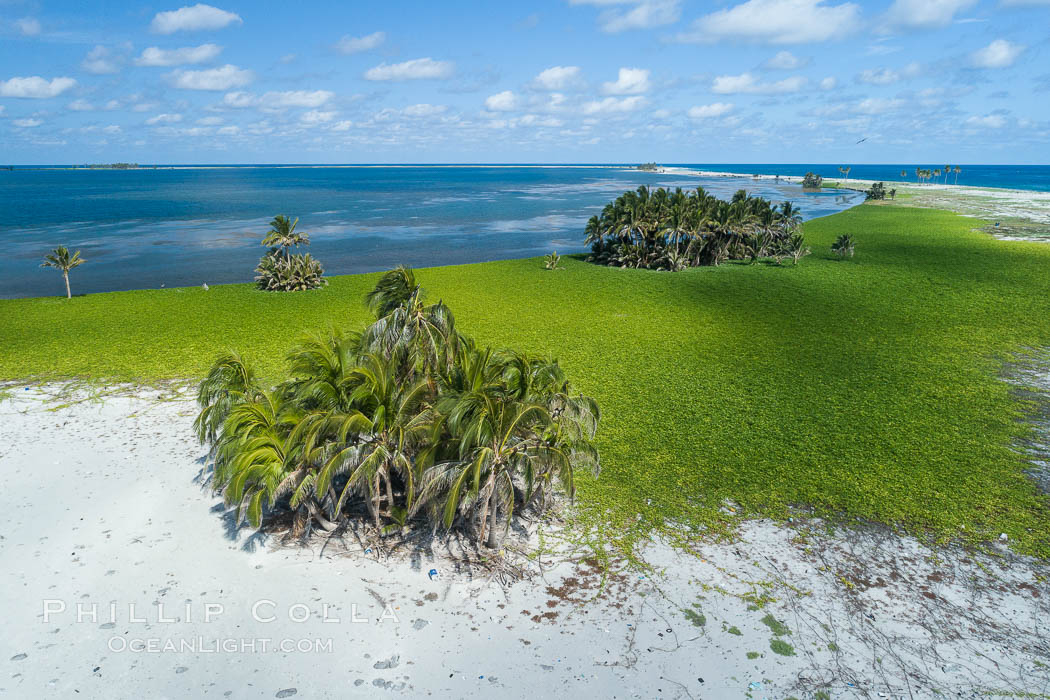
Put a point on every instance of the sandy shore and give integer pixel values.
(106, 509)
(1020, 214)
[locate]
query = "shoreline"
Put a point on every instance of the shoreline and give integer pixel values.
(767, 613)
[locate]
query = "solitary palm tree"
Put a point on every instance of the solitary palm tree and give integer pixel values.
(283, 235)
(957, 171)
(60, 259)
(904, 174)
(947, 169)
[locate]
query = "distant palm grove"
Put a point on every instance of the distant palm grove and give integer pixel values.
(406, 422)
(664, 230)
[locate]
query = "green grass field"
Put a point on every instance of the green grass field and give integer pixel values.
(867, 388)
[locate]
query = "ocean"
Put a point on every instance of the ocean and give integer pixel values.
(148, 228)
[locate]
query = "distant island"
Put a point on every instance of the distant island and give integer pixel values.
(111, 166)
(650, 167)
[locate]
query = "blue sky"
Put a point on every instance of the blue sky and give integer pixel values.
(779, 81)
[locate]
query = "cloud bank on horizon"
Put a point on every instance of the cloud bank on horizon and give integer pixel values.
(554, 81)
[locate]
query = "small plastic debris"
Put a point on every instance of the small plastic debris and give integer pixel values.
(754, 685)
(432, 574)
(1004, 537)
(368, 551)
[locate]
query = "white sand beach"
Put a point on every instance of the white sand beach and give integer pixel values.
(107, 514)
(1021, 214)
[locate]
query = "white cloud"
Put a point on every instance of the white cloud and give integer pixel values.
(316, 117)
(26, 123)
(785, 60)
(878, 105)
(210, 121)
(240, 99)
(356, 44)
(341, 126)
(278, 100)
(631, 81)
(557, 78)
(424, 110)
(229, 131)
(829, 83)
(155, 56)
(991, 121)
(35, 87)
(998, 54)
(925, 14)
(80, 106)
(416, 69)
(776, 22)
(636, 14)
(505, 101)
(716, 109)
(613, 105)
(195, 18)
(164, 119)
(222, 78)
(533, 120)
(536, 120)
(101, 61)
(28, 26)
(746, 83)
(886, 76)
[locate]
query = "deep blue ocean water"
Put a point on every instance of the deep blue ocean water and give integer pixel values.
(149, 228)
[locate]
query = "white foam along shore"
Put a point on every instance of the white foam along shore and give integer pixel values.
(107, 512)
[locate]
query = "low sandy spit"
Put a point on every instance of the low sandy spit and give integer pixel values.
(1012, 214)
(107, 507)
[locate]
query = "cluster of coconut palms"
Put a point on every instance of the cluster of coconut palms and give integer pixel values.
(665, 230)
(282, 271)
(926, 174)
(408, 422)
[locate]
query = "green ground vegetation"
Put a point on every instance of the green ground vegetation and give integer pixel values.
(868, 387)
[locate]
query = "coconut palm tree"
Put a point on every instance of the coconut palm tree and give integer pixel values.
(391, 291)
(282, 234)
(957, 171)
(263, 454)
(378, 439)
(60, 259)
(947, 169)
(426, 331)
(231, 380)
(904, 174)
(513, 424)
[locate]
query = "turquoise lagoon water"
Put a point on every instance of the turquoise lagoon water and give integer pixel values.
(149, 228)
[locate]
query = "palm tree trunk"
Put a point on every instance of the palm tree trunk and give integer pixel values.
(389, 495)
(492, 515)
(327, 524)
(489, 484)
(65, 275)
(375, 499)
